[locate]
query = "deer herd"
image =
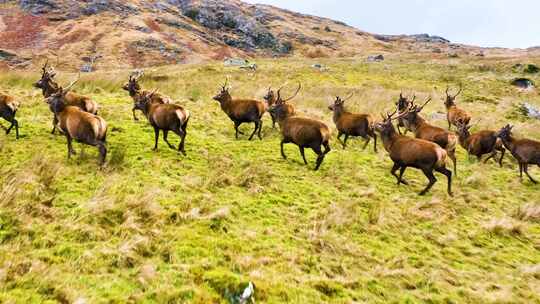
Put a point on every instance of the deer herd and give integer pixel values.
(76, 117)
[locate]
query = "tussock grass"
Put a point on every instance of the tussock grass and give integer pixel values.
(161, 227)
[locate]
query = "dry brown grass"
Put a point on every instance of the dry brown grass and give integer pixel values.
(505, 226)
(528, 212)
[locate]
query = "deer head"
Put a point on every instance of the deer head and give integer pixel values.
(451, 99)
(142, 101)
(339, 103)
(411, 114)
(132, 86)
(404, 102)
(506, 132)
(47, 78)
(57, 100)
(223, 94)
(280, 100)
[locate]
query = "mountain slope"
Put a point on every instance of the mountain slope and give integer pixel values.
(139, 33)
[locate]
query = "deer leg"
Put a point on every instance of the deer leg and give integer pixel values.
(302, 152)
(55, 122)
(452, 155)
(69, 145)
(156, 138)
(526, 169)
(339, 137)
(283, 142)
(320, 157)
(401, 171)
(374, 135)
(520, 171)
(165, 135)
(448, 175)
(236, 125)
(102, 152)
(492, 155)
(134, 116)
(429, 174)
(368, 139)
(254, 130)
(449, 125)
(260, 129)
(345, 141)
(183, 135)
(399, 178)
(16, 123)
(11, 121)
(503, 150)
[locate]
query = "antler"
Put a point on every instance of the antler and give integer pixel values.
(295, 93)
(425, 103)
(447, 89)
(135, 75)
(226, 82)
(460, 90)
(348, 97)
(44, 68)
(72, 83)
(414, 98)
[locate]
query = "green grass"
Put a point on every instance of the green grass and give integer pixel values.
(161, 227)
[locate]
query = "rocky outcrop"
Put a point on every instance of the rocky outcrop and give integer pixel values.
(417, 38)
(72, 9)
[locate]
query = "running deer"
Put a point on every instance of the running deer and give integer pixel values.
(241, 110)
(352, 124)
(166, 117)
(423, 130)
(412, 152)
(403, 104)
(454, 115)
(304, 132)
(271, 99)
(8, 108)
(77, 124)
(525, 151)
(480, 143)
(49, 87)
(135, 91)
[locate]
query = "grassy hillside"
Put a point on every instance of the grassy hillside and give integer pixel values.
(161, 227)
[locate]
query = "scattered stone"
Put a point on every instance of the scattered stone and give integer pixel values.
(320, 67)
(523, 83)
(453, 55)
(235, 62)
(530, 110)
(375, 58)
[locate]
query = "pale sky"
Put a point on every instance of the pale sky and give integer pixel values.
(488, 23)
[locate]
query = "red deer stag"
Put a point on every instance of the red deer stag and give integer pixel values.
(423, 130)
(49, 87)
(166, 117)
(352, 124)
(271, 99)
(403, 104)
(412, 152)
(8, 109)
(241, 110)
(480, 143)
(79, 125)
(455, 115)
(525, 151)
(304, 132)
(135, 91)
